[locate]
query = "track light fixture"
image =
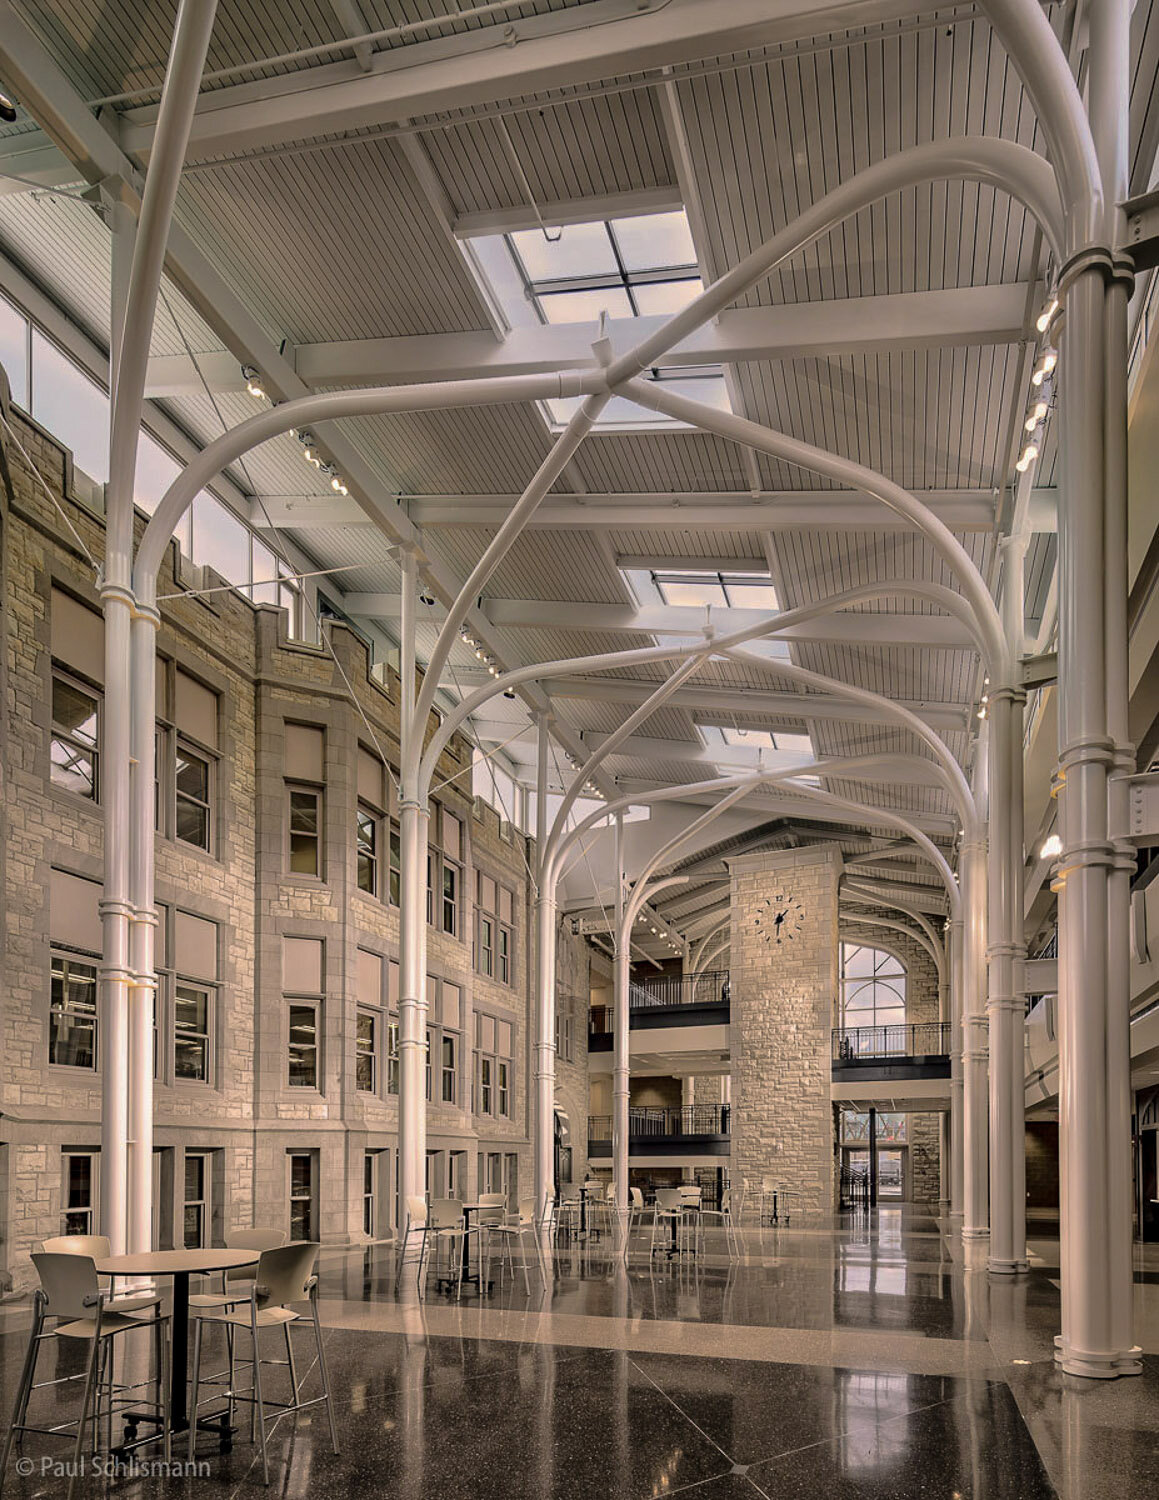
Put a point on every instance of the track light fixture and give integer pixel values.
(1035, 416)
(309, 449)
(509, 692)
(7, 109)
(338, 485)
(426, 597)
(1052, 848)
(1046, 316)
(1044, 367)
(1029, 454)
(253, 382)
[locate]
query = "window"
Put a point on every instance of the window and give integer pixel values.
(191, 1008)
(392, 1056)
(78, 1192)
(303, 968)
(305, 775)
(366, 1051)
(450, 1069)
(890, 1128)
(369, 1194)
(494, 1054)
(395, 893)
(303, 1196)
(494, 929)
(450, 860)
(444, 1020)
(563, 1037)
(72, 1018)
(196, 1216)
(367, 835)
(305, 813)
(872, 987)
(643, 266)
(75, 746)
(456, 1174)
(192, 784)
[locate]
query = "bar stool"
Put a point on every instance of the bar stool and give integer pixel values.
(97, 1247)
(510, 1232)
(690, 1222)
(283, 1275)
(239, 1239)
(668, 1209)
(413, 1249)
(447, 1226)
(635, 1215)
(70, 1292)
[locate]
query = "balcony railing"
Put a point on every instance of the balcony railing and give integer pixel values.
(709, 988)
(925, 1039)
(645, 1121)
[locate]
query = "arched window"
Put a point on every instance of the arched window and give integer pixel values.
(872, 987)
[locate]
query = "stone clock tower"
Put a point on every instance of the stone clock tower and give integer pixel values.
(783, 991)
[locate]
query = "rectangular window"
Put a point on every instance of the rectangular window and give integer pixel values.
(563, 1037)
(432, 1043)
(486, 1086)
(72, 1018)
(369, 1194)
(193, 782)
(392, 1056)
(395, 865)
(196, 1217)
(504, 1100)
(303, 1196)
(494, 929)
(75, 749)
(450, 1069)
(366, 1052)
(78, 1192)
(367, 836)
(450, 898)
(305, 816)
(192, 1005)
(494, 1054)
(303, 1046)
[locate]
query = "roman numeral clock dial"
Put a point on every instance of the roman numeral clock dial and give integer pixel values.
(779, 919)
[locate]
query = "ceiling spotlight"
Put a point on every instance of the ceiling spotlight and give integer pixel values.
(1035, 417)
(493, 669)
(309, 451)
(1044, 366)
(1052, 848)
(509, 692)
(479, 653)
(253, 382)
(1045, 316)
(7, 109)
(1029, 454)
(426, 597)
(338, 485)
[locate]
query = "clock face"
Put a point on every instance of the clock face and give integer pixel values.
(779, 918)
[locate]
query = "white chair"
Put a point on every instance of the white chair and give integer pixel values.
(413, 1250)
(724, 1214)
(447, 1228)
(236, 1283)
(70, 1292)
(690, 1198)
(635, 1215)
(510, 1232)
(567, 1218)
(668, 1210)
(97, 1247)
(283, 1276)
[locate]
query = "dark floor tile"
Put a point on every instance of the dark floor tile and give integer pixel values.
(975, 1447)
(755, 1410)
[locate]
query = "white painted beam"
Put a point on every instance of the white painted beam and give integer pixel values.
(883, 629)
(566, 48)
(857, 325)
(716, 701)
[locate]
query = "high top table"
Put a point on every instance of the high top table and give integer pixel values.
(180, 1264)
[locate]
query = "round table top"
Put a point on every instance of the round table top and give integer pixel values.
(175, 1262)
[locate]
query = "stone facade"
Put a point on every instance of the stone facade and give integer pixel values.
(782, 998)
(246, 1120)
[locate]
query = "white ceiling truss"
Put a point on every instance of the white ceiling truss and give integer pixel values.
(341, 161)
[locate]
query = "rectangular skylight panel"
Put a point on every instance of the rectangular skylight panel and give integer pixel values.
(757, 593)
(580, 250)
(687, 591)
(663, 298)
(651, 242)
(757, 738)
(585, 306)
(801, 743)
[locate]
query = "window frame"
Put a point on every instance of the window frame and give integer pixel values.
(59, 953)
(205, 1202)
(191, 749)
(494, 959)
(296, 788)
(310, 1197)
(494, 1069)
(92, 1209)
(78, 684)
(374, 1015)
(209, 990)
(312, 1003)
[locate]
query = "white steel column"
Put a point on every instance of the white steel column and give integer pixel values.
(954, 943)
(543, 1101)
(972, 867)
(414, 817)
(621, 1034)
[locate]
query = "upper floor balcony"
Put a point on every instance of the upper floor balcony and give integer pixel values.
(874, 1053)
(679, 1130)
(665, 1001)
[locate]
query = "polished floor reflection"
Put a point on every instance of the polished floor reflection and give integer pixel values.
(833, 1360)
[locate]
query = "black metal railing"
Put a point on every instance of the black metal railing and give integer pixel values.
(709, 988)
(924, 1039)
(854, 1189)
(644, 1120)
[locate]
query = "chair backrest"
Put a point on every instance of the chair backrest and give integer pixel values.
(570, 1193)
(283, 1274)
(690, 1196)
(669, 1198)
(610, 1192)
(68, 1279)
(416, 1211)
(494, 1206)
(251, 1239)
(637, 1197)
(527, 1210)
(95, 1246)
(446, 1213)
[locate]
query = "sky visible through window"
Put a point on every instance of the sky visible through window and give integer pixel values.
(628, 268)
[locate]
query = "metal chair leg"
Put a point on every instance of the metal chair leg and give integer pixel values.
(27, 1375)
(324, 1371)
(290, 1362)
(197, 1331)
(166, 1392)
(90, 1385)
(258, 1408)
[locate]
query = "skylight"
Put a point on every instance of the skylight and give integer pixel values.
(638, 267)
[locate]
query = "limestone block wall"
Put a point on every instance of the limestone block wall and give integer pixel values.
(781, 1015)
